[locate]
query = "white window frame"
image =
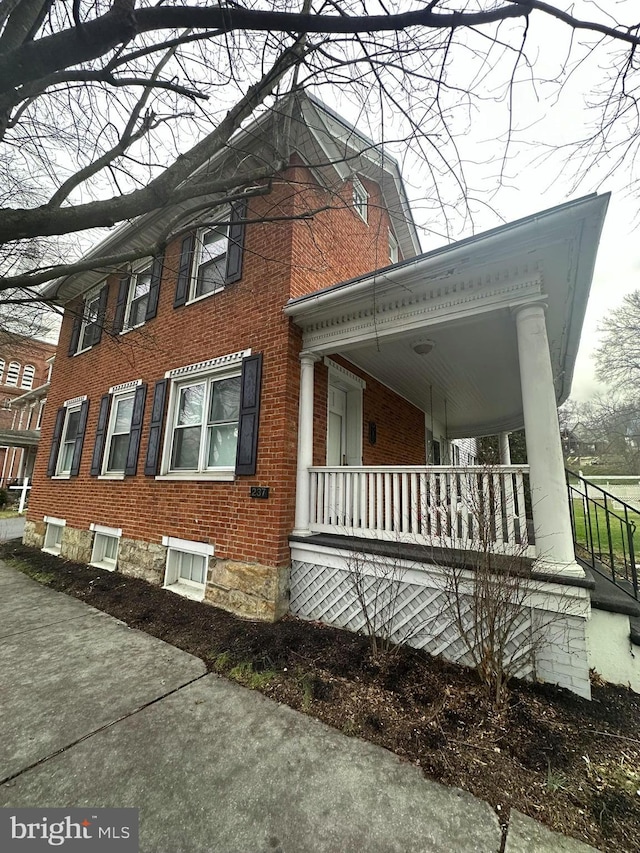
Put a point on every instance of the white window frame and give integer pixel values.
(13, 373)
(103, 538)
(70, 406)
(394, 249)
(87, 322)
(212, 371)
(28, 375)
(360, 200)
(118, 393)
(40, 414)
(138, 270)
(193, 295)
(54, 526)
(176, 548)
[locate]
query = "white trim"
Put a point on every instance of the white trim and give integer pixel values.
(230, 360)
(223, 475)
(106, 531)
(346, 374)
(113, 476)
(125, 386)
(188, 545)
(51, 519)
(74, 401)
(61, 477)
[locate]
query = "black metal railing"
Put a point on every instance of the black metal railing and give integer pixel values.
(604, 536)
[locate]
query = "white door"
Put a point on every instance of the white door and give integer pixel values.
(337, 427)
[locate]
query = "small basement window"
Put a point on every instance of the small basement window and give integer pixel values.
(106, 543)
(53, 535)
(187, 564)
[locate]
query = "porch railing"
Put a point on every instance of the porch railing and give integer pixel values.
(442, 506)
(604, 529)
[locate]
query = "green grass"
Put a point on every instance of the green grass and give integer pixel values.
(597, 519)
(9, 513)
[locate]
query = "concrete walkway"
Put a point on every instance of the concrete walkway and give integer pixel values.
(97, 714)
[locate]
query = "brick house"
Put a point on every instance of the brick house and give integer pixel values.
(227, 420)
(25, 365)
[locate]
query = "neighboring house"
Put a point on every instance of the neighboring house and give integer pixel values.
(233, 419)
(25, 365)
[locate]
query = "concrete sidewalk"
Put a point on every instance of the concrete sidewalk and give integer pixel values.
(97, 714)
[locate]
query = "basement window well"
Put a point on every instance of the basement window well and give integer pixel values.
(106, 544)
(53, 534)
(187, 564)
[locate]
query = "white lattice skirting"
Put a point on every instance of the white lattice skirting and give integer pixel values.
(411, 603)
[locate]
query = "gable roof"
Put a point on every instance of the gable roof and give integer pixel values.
(329, 145)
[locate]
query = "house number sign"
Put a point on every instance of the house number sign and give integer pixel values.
(259, 492)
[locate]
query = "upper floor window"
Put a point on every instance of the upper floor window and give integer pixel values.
(393, 249)
(360, 199)
(88, 321)
(138, 295)
(13, 371)
(211, 258)
(1, 369)
(27, 376)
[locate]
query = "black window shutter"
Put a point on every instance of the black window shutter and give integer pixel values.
(75, 334)
(55, 442)
(77, 450)
(154, 288)
(247, 452)
(101, 434)
(121, 304)
(155, 429)
(102, 310)
(235, 249)
(131, 465)
(184, 270)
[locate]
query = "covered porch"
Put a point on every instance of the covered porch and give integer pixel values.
(481, 337)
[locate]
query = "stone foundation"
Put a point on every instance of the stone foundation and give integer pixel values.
(250, 590)
(145, 560)
(34, 533)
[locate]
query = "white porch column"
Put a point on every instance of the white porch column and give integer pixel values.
(305, 442)
(505, 450)
(551, 520)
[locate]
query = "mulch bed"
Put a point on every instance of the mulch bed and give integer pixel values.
(572, 764)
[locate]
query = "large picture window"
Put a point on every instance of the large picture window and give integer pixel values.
(205, 425)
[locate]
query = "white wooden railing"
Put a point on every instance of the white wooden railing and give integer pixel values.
(442, 506)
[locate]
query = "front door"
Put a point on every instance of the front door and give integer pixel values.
(337, 427)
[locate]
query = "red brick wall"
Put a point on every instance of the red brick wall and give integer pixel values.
(282, 259)
(400, 433)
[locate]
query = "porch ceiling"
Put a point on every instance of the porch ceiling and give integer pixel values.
(461, 298)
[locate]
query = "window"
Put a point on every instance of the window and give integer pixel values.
(27, 376)
(70, 432)
(53, 534)
(138, 298)
(1, 369)
(13, 372)
(118, 435)
(205, 425)
(393, 249)
(40, 414)
(89, 323)
(360, 199)
(187, 563)
(212, 258)
(210, 268)
(105, 547)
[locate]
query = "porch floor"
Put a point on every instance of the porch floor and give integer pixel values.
(430, 555)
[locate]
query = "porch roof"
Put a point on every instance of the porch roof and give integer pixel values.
(460, 298)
